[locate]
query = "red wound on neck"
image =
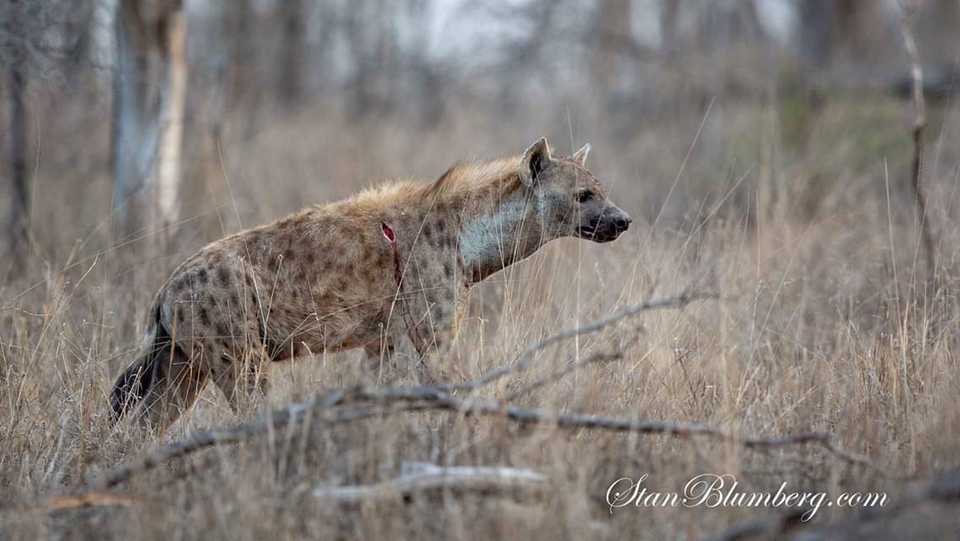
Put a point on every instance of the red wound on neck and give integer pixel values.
(388, 233)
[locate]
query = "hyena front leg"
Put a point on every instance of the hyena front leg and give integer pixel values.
(462, 303)
(407, 343)
(436, 365)
(434, 330)
(380, 359)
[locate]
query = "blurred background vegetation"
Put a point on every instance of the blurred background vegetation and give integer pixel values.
(141, 110)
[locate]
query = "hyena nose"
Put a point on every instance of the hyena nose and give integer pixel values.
(622, 223)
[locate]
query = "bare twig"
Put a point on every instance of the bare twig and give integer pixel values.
(919, 125)
(423, 477)
(523, 361)
(599, 357)
(56, 504)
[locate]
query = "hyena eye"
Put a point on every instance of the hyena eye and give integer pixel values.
(584, 195)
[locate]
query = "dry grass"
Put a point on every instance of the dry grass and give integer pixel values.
(822, 325)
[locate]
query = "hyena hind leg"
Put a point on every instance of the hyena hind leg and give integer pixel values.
(180, 383)
(240, 382)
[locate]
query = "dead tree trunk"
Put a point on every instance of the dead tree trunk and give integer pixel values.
(149, 100)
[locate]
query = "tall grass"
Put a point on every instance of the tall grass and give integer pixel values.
(823, 324)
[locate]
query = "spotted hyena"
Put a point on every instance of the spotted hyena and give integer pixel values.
(389, 263)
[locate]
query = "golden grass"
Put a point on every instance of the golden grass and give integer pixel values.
(821, 326)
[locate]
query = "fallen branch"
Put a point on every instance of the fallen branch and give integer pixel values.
(420, 477)
(363, 403)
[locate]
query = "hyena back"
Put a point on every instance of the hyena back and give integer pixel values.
(390, 263)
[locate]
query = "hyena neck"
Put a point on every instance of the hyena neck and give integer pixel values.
(501, 230)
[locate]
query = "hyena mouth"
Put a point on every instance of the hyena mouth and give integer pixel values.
(601, 235)
(604, 231)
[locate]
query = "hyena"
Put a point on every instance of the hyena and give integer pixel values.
(390, 263)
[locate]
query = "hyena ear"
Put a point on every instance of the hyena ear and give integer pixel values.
(580, 156)
(535, 160)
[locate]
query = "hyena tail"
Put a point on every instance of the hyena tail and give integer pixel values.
(143, 373)
(161, 378)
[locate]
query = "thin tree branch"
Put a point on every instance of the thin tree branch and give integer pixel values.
(599, 357)
(523, 361)
(919, 125)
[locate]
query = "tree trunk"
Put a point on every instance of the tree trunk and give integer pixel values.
(612, 36)
(238, 25)
(291, 52)
(669, 10)
(828, 29)
(149, 100)
(17, 158)
(174, 106)
(78, 31)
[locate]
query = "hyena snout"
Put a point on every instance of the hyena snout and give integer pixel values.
(606, 226)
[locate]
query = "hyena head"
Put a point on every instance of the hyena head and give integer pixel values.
(571, 201)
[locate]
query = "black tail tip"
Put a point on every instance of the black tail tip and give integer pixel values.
(128, 390)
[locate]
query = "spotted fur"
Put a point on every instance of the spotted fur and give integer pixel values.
(326, 278)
